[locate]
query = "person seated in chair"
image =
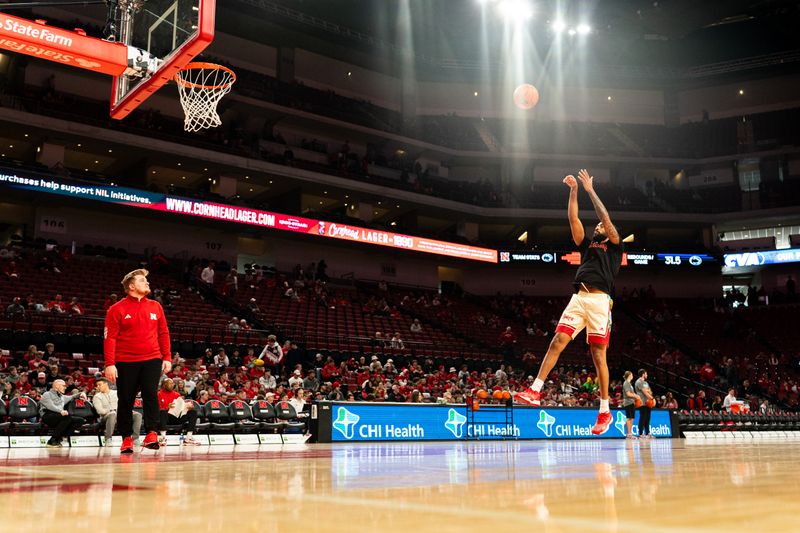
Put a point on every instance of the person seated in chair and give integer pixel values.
(105, 402)
(54, 415)
(168, 400)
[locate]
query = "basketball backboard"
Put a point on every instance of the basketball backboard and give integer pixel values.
(174, 31)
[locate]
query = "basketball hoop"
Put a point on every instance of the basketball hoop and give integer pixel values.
(201, 86)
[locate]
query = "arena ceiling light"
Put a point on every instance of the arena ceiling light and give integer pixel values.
(583, 29)
(558, 26)
(515, 10)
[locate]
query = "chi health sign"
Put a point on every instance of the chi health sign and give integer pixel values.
(404, 422)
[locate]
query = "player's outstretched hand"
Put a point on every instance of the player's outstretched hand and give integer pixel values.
(571, 182)
(586, 179)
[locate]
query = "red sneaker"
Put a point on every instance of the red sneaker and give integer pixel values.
(602, 424)
(127, 445)
(528, 397)
(151, 441)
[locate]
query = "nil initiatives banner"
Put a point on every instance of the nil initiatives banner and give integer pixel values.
(245, 215)
(390, 422)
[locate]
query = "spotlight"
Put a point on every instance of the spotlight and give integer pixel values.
(741, 92)
(516, 10)
(572, 32)
(584, 29)
(558, 26)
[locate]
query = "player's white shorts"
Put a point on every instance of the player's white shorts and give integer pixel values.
(590, 310)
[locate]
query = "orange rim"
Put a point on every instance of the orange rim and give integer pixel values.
(207, 66)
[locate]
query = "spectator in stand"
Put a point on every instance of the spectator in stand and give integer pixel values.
(629, 403)
(33, 306)
(252, 306)
(13, 375)
(111, 300)
(731, 373)
(233, 324)
(41, 384)
(9, 391)
(74, 307)
(221, 360)
(267, 381)
(54, 415)
(243, 325)
(416, 327)
(707, 373)
(669, 401)
(11, 271)
(174, 411)
(375, 364)
(397, 342)
(105, 402)
(222, 385)
(389, 368)
(57, 305)
(716, 405)
(296, 380)
(207, 274)
(15, 309)
(231, 285)
(730, 399)
(272, 354)
(311, 383)
(764, 408)
(507, 341)
(330, 371)
(379, 341)
(336, 393)
(700, 401)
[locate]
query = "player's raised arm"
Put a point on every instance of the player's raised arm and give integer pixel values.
(599, 208)
(575, 224)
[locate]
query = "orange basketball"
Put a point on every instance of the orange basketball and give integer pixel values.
(526, 96)
(506, 395)
(482, 394)
(476, 406)
(651, 403)
(498, 395)
(258, 362)
(638, 402)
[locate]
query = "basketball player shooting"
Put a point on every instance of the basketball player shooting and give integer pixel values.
(590, 305)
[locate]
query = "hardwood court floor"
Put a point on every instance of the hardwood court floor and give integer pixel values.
(564, 486)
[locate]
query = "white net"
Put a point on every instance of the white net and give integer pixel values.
(201, 86)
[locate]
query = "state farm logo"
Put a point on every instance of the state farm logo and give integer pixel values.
(293, 223)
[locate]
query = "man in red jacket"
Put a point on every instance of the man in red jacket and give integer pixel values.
(137, 352)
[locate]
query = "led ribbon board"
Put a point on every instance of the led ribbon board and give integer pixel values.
(771, 257)
(244, 215)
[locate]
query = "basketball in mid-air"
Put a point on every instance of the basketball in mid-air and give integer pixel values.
(258, 362)
(526, 96)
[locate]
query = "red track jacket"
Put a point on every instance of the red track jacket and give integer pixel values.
(136, 330)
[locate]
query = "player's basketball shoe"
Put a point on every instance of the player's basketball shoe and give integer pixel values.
(602, 424)
(529, 397)
(127, 445)
(151, 441)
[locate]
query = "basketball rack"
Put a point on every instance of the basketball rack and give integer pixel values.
(493, 416)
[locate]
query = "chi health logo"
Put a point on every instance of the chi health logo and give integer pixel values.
(455, 423)
(345, 422)
(620, 422)
(545, 423)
